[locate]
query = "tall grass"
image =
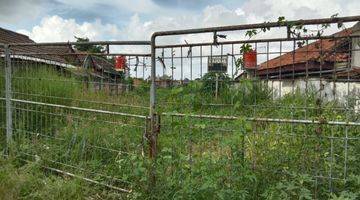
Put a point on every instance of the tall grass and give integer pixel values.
(240, 159)
(198, 158)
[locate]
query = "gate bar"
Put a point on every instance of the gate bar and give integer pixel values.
(79, 108)
(256, 41)
(299, 121)
(259, 25)
(85, 43)
(9, 127)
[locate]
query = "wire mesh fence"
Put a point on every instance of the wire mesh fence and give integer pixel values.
(239, 112)
(75, 113)
(241, 116)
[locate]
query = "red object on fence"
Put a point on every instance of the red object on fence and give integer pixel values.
(250, 59)
(120, 63)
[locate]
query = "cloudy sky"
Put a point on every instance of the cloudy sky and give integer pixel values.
(60, 20)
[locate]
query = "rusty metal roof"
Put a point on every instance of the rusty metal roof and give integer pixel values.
(7, 36)
(55, 54)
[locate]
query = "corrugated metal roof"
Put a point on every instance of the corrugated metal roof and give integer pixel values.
(47, 53)
(63, 56)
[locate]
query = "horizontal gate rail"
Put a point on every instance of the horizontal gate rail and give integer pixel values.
(83, 178)
(259, 25)
(259, 119)
(86, 43)
(16, 54)
(78, 108)
(256, 41)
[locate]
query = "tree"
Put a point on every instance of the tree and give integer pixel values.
(90, 48)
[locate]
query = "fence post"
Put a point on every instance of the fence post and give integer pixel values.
(9, 127)
(153, 116)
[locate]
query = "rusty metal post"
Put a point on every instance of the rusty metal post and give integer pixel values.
(288, 31)
(152, 139)
(217, 86)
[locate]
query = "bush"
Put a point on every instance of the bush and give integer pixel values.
(251, 92)
(209, 83)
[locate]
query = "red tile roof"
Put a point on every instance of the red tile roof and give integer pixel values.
(321, 50)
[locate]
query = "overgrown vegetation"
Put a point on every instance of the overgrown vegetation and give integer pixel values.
(197, 158)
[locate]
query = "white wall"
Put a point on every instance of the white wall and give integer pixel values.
(355, 52)
(328, 90)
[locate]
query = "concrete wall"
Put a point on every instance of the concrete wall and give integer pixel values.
(328, 90)
(355, 52)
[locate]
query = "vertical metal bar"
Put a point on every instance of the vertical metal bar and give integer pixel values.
(267, 69)
(129, 67)
(143, 70)
(280, 72)
(127, 75)
(172, 66)
(153, 121)
(191, 67)
(153, 87)
(163, 57)
(201, 72)
(216, 86)
(331, 161)
(232, 62)
(9, 128)
(136, 66)
(181, 65)
(304, 139)
(288, 31)
(255, 82)
(346, 145)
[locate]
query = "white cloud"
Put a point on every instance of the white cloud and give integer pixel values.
(55, 28)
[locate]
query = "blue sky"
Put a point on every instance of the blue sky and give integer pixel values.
(54, 20)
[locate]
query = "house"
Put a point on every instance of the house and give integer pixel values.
(331, 67)
(102, 73)
(325, 56)
(60, 56)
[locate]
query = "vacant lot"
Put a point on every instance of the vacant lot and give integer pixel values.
(198, 157)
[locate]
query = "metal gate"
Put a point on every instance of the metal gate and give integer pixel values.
(278, 111)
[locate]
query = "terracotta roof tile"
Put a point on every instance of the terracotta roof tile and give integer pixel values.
(320, 50)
